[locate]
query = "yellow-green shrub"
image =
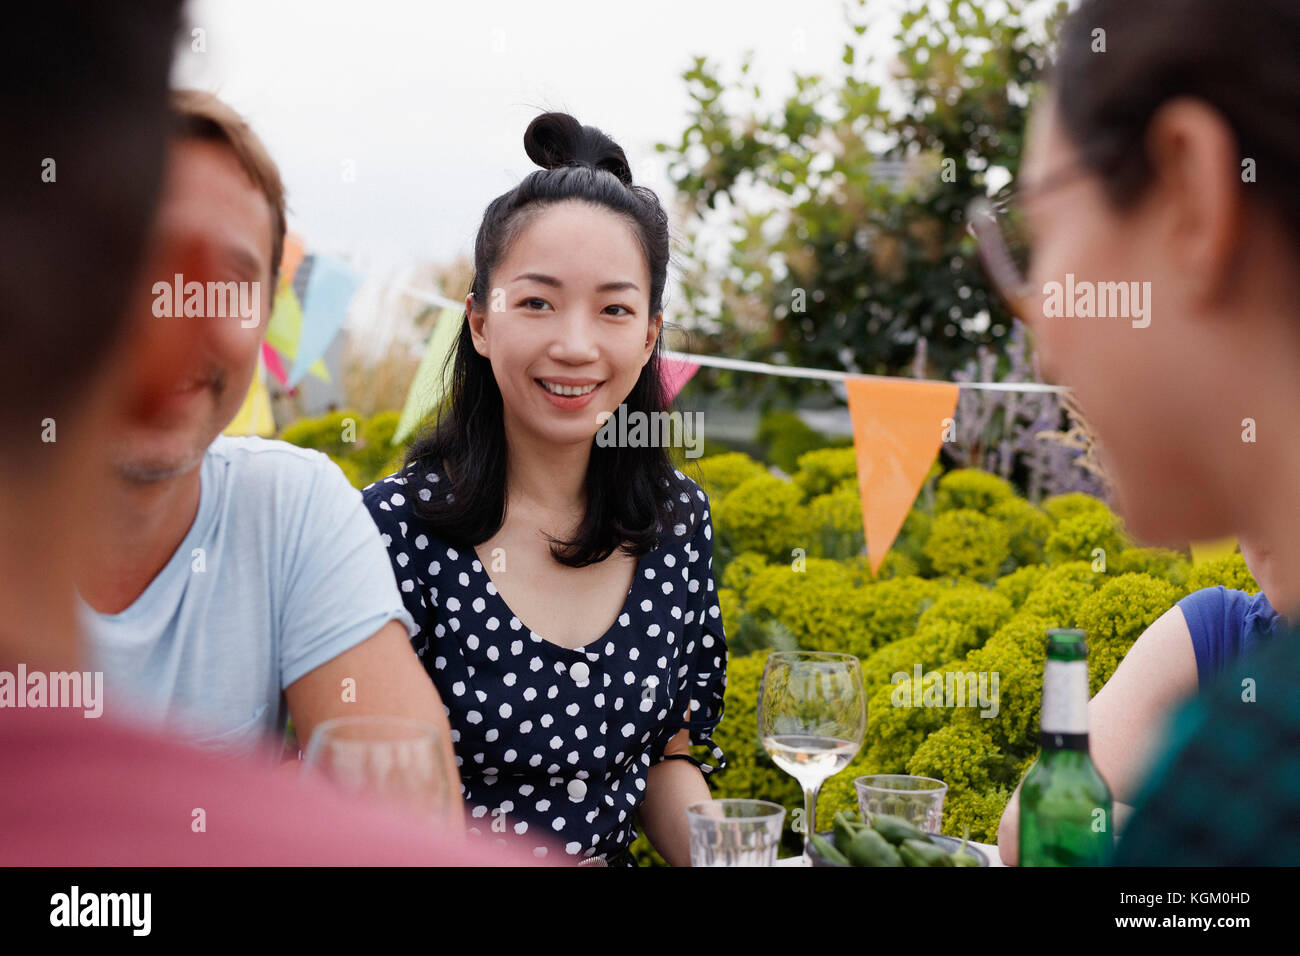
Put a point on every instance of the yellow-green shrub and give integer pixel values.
(325, 433)
(740, 570)
(975, 608)
(1079, 536)
(1015, 587)
(961, 755)
(816, 604)
(835, 520)
(970, 488)
(1027, 528)
(1171, 566)
(1061, 590)
(749, 771)
(722, 474)
(975, 814)
(890, 611)
(1230, 571)
(965, 542)
(895, 725)
(1115, 616)
(1060, 507)
(764, 515)
(824, 470)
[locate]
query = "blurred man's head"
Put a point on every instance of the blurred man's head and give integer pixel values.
(222, 204)
(83, 120)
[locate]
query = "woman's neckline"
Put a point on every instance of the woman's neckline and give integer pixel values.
(583, 649)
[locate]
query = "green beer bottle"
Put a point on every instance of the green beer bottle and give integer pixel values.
(1066, 816)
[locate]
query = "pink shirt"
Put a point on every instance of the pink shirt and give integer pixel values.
(94, 792)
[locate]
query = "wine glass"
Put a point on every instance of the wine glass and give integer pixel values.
(812, 715)
(397, 760)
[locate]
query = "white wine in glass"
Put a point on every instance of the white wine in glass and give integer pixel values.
(812, 716)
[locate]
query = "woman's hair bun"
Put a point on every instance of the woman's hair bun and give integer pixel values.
(557, 139)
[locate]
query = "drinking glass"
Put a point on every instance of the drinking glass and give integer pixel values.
(918, 800)
(735, 832)
(812, 715)
(397, 760)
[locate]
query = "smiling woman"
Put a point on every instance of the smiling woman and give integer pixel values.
(562, 586)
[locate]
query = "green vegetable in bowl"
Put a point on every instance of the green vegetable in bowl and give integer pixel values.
(869, 848)
(896, 829)
(960, 857)
(923, 853)
(845, 828)
(828, 852)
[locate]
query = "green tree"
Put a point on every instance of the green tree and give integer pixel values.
(848, 200)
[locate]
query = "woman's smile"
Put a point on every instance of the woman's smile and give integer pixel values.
(568, 393)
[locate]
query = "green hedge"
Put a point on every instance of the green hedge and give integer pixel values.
(361, 447)
(976, 577)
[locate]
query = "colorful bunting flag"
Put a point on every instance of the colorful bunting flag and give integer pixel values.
(329, 292)
(1203, 551)
(429, 385)
(254, 416)
(676, 373)
(291, 259)
(898, 429)
(285, 327)
(271, 359)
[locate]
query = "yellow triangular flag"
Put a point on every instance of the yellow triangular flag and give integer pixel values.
(1203, 551)
(254, 416)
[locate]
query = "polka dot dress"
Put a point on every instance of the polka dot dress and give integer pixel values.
(552, 742)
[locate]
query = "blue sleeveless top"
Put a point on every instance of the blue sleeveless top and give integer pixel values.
(1225, 625)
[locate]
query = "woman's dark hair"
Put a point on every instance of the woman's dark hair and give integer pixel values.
(631, 492)
(1239, 58)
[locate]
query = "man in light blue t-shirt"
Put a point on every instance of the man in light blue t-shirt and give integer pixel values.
(243, 581)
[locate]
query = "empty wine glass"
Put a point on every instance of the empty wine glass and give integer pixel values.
(812, 715)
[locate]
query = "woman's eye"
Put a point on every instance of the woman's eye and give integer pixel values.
(534, 303)
(626, 310)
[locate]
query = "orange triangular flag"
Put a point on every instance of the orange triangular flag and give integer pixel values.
(292, 258)
(898, 427)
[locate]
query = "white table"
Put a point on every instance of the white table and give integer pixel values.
(989, 850)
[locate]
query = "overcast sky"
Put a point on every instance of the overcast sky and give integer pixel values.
(428, 101)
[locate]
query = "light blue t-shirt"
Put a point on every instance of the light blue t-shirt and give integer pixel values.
(282, 571)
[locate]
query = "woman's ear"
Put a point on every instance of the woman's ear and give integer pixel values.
(477, 319)
(652, 335)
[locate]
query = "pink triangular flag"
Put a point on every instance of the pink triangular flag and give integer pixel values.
(271, 358)
(676, 373)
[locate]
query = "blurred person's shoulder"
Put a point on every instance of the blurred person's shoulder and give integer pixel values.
(257, 458)
(99, 792)
(1221, 793)
(261, 474)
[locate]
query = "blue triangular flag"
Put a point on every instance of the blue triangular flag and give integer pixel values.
(329, 292)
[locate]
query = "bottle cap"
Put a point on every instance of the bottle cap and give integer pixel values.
(1069, 641)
